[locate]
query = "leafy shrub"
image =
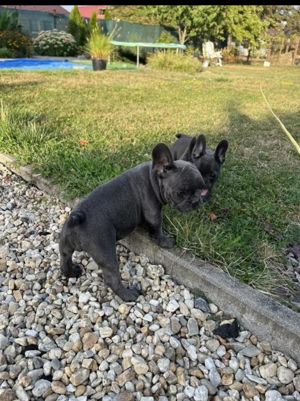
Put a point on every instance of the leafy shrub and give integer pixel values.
(230, 54)
(6, 53)
(9, 20)
(171, 61)
(167, 37)
(18, 43)
(55, 43)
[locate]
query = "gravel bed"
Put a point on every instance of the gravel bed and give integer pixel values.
(75, 340)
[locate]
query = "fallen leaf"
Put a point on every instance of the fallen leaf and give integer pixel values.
(83, 142)
(212, 217)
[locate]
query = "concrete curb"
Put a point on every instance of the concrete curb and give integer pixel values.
(266, 318)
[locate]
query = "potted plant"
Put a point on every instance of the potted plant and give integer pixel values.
(99, 48)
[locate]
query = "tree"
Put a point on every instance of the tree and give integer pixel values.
(134, 14)
(9, 20)
(186, 19)
(242, 24)
(77, 26)
(284, 28)
(93, 24)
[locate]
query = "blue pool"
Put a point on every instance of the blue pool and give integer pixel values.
(37, 64)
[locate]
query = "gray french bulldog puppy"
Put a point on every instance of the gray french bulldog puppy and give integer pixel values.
(207, 161)
(116, 208)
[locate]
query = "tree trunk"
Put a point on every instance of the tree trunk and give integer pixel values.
(296, 51)
(229, 40)
(182, 35)
(249, 55)
(287, 46)
(281, 46)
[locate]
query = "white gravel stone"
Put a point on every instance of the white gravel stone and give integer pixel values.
(41, 387)
(285, 375)
(273, 395)
(201, 394)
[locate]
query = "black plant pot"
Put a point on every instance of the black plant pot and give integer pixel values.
(99, 64)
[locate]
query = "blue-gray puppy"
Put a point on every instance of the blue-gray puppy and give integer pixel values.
(116, 208)
(207, 161)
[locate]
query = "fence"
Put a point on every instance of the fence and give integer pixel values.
(33, 22)
(129, 32)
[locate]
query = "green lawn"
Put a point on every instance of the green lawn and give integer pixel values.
(123, 114)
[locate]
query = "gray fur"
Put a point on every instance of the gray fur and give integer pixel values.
(207, 161)
(115, 209)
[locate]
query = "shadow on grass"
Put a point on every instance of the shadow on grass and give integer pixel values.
(7, 86)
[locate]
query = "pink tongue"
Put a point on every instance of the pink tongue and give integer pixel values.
(204, 192)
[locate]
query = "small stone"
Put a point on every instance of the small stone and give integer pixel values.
(21, 393)
(201, 393)
(124, 396)
(89, 340)
(250, 351)
(273, 395)
(212, 345)
(296, 382)
(175, 325)
(41, 387)
(148, 317)
(292, 365)
(7, 394)
(92, 266)
(180, 376)
(227, 379)
(139, 365)
(124, 309)
(125, 377)
(285, 375)
(189, 391)
(58, 387)
(213, 308)
(3, 342)
(105, 332)
(172, 306)
(201, 304)
(268, 370)
(84, 297)
(255, 379)
(79, 377)
(214, 377)
(193, 329)
(163, 364)
(249, 390)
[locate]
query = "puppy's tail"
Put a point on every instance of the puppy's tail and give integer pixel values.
(76, 218)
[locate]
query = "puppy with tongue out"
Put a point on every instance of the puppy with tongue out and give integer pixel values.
(115, 209)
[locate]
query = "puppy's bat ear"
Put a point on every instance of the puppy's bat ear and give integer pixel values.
(221, 151)
(200, 147)
(162, 159)
(188, 153)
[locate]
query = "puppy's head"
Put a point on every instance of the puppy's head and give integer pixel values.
(180, 183)
(208, 162)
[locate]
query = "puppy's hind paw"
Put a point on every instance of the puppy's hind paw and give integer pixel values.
(129, 294)
(75, 271)
(166, 242)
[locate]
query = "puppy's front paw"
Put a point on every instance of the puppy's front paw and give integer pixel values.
(75, 271)
(166, 242)
(129, 294)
